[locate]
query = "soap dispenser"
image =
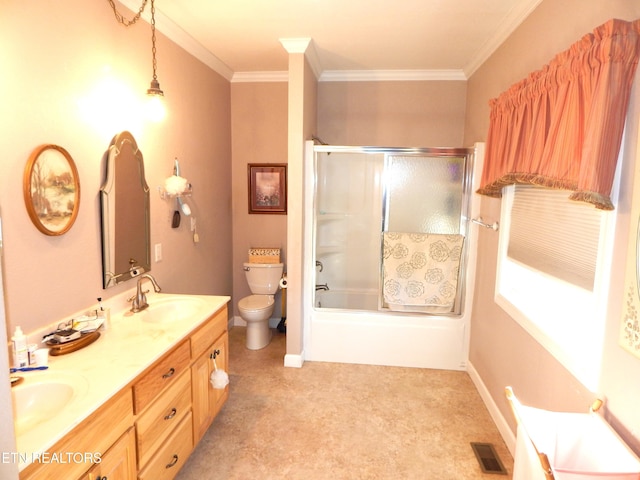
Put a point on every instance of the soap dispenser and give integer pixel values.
(20, 351)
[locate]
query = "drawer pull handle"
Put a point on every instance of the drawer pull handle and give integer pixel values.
(170, 373)
(171, 415)
(173, 462)
(215, 353)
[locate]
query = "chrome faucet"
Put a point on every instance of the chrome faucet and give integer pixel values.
(139, 300)
(322, 286)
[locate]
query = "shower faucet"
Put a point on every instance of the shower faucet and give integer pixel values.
(319, 264)
(323, 286)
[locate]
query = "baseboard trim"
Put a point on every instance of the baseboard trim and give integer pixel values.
(295, 361)
(501, 423)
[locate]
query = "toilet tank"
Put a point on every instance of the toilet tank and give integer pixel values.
(263, 278)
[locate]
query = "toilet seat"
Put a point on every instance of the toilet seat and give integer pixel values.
(256, 302)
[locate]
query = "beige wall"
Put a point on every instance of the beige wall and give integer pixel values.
(392, 113)
(259, 135)
(73, 76)
(501, 351)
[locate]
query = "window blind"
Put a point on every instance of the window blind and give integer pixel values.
(554, 235)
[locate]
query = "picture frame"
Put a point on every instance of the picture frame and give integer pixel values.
(267, 188)
(51, 189)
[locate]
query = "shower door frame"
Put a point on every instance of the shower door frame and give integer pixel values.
(466, 154)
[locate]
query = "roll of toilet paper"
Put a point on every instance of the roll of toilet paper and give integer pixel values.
(283, 282)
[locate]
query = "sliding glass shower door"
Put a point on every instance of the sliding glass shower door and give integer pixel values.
(424, 193)
(361, 193)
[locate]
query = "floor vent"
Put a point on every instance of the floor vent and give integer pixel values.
(488, 458)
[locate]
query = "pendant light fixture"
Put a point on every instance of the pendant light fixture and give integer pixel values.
(154, 88)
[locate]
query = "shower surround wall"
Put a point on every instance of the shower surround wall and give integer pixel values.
(343, 323)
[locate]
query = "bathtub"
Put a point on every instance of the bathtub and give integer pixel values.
(346, 326)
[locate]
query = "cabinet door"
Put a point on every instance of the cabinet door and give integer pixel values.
(119, 462)
(207, 400)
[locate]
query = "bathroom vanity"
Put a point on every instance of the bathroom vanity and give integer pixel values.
(142, 397)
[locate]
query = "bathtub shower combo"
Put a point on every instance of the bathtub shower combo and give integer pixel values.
(390, 254)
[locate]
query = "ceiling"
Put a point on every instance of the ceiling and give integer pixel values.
(243, 36)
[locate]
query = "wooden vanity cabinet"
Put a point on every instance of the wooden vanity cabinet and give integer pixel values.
(119, 462)
(160, 375)
(96, 435)
(157, 422)
(162, 402)
(207, 401)
(171, 420)
(171, 455)
(171, 405)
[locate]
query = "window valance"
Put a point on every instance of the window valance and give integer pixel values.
(561, 127)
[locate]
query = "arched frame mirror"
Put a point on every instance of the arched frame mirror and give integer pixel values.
(124, 202)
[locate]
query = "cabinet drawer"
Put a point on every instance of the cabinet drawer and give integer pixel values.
(158, 419)
(170, 458)
(160, 375)
(209, 333)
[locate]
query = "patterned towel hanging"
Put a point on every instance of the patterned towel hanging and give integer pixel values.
(421, 269)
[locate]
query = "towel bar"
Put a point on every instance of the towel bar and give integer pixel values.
(493, 226)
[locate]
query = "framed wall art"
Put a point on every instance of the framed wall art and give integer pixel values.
(51, 189)
(267, 187)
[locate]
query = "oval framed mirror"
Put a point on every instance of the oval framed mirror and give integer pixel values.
(51, 189)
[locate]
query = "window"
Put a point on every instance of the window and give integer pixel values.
(554, 262)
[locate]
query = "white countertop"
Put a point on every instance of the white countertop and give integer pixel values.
(105, 367)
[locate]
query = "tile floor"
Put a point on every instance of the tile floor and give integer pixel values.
(342, 421)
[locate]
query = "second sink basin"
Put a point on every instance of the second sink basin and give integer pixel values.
(171, 309)
(42, 397)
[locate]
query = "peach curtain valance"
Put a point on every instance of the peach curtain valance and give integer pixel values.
(561, 127)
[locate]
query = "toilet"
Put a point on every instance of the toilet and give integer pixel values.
(256, 309)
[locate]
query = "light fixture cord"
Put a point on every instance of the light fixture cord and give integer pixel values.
(153, 39)
(127, 23)
(120, 18)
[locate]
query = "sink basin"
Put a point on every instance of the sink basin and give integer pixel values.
(171, 309)
(41, 397)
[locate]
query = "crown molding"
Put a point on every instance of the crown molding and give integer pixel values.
(176, 34)
(306, 46)
(391, 75)
(356, 76)
(295, 45)
(260, 77)
(507, 27)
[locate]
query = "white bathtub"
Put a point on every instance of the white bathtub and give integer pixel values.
(347, 327)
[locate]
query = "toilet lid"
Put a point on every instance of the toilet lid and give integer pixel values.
(256, 302)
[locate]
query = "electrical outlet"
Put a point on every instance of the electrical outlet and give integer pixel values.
(158, 252)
